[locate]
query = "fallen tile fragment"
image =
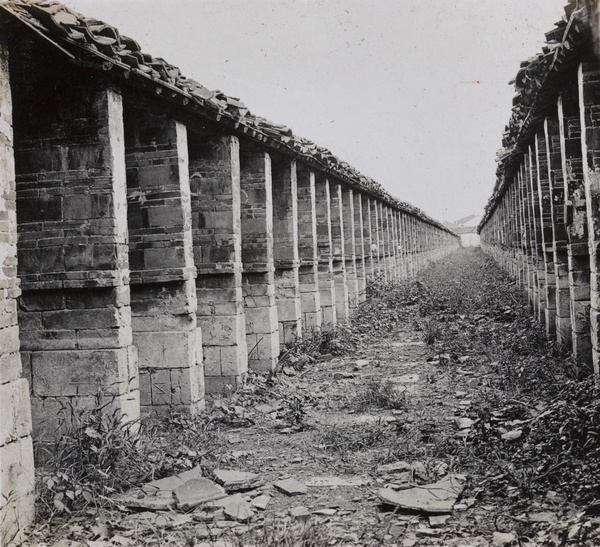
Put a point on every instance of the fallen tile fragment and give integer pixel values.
(291, 487)
(239, 509)
(261, 502)
(196, 492)
(234, 507)
(435, 498)
(327, 512)
(265, 409)
(436, 521)
(236, 481)
(136, 498)
(512, 435)
(465, 423)
(500, 539)
(361, 363)
(300, 513)
(542, 517)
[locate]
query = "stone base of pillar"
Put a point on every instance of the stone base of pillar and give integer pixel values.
(169, 347)
(220, 317)
(327, 292)
(341, 291)
(76, 346)
(361, 279)
(289, 309)
(262, 336)
(310, 297)
(352, 283)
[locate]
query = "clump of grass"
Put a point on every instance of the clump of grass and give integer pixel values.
(380, 394)
(343, 439)
(431, 331)
(286, 533)
(96, 453)
(316, 345)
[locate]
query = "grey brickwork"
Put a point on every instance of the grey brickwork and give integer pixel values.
(168, 240)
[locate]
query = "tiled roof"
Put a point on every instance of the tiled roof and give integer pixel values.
(78, 35)
(537, 85)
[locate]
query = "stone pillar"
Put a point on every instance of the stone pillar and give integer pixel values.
(384, 266)
(408, 237)
(529, 248)
(589, 87)
(517, 229)
(308, 254)
(326, 281)
(545, 205)
(396, 243)
(163, 297)
(75, 314)
(538, 255)
(404, 243)
(350, 246)
(258, 282)
(576, 223)
(339, 259)
(359, 247)
(285, 250)
(389, 240)
(559, 233)
(367, 237)
(216, 231)
(16, 452)
(378, 268)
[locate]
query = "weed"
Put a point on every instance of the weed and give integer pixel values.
(99, 453)
(431, 331)
(344, 439)
(286, 533)
(317, 344)
(380, 394)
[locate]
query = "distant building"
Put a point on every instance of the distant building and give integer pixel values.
(467, 229)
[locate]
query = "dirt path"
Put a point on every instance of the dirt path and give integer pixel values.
(392, 413)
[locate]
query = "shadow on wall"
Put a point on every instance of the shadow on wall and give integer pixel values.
(470, 240)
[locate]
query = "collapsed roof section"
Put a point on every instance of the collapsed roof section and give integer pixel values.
(537, 86)
(96, 44)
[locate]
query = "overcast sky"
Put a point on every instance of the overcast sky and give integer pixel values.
(413, 93)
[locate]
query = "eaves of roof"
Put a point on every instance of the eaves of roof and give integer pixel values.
(94, 44)
(536, 92)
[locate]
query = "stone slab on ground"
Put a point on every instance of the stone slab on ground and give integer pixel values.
(261, 502)
(291, 487)
(136, 498)
(234, 507)
(435, 498)
(300, 513)
(239, 509)
(236, 481)
(168, 484)
(196, 492)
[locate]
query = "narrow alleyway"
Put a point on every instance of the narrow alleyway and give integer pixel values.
(446, 380)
